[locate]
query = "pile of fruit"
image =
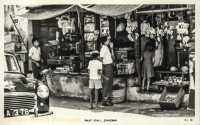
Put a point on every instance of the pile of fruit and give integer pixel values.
(169, 99)
(173, 81)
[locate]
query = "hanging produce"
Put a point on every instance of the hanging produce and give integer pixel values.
(131, 26)
(66, 23)
(182, 33)
(121, 27)
(168, 31)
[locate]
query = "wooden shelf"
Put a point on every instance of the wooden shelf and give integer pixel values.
(88, 31)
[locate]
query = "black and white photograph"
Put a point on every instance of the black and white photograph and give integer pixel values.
(105, 63)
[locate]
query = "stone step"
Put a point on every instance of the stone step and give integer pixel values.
(132, 94)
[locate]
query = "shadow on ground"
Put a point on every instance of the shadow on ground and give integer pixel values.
(148, 109)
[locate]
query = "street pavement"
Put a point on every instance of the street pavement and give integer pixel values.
(147, 109)
(73, 111)
(65, 116)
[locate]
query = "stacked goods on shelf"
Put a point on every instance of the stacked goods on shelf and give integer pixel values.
(126, 62)
(89, 29)
(12, 42)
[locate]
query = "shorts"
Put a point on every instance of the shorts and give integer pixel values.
(95, 83)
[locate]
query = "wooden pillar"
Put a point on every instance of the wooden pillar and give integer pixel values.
(82, 45)
(137, 48)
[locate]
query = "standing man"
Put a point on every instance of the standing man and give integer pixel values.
(107, 61)
(34, 56)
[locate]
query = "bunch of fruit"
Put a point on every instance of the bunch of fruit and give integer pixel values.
(173, 81)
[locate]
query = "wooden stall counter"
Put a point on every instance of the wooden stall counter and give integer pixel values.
(77, 85)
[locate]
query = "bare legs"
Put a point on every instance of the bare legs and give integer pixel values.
(148, 83)
(143, 82)
(91, 96)
(96, 97)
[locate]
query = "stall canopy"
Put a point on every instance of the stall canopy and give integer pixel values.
(49, 12)
(112, 9)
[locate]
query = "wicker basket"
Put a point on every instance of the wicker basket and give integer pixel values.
(86, 93)
(132, 81)
(118, 96)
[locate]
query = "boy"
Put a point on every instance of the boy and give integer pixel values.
(95, 73)
(34, 56)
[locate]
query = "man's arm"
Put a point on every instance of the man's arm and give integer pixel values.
(99, 71)
(30, 57)
(38, 65)
(101, 59)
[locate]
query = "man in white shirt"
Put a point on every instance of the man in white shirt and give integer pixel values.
(107, 61)
(34, 56)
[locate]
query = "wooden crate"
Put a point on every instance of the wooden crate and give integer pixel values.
(173, 104)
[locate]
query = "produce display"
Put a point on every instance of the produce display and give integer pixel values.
(173, 69)
(89, 27)
(173, 81)
(89, 36)
(169, 99)
(66, 23)
(89, 18)
(104, 26)
(131, 26)
(184, 69)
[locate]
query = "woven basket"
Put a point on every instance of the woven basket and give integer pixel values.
(132, 81)
(118, 96)
(86, 93)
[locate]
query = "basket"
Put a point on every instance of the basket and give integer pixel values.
(132, 81)
(173, 103)
(118, 96)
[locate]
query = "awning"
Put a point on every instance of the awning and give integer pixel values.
(108, 10)
(49, 13)
(112, 9)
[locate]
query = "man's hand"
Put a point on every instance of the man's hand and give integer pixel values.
(37, 64)
(106, 78)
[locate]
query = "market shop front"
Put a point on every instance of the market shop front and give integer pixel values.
(69, 33)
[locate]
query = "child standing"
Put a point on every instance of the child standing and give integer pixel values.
(35, 57)
(95, 73)
(147, 59)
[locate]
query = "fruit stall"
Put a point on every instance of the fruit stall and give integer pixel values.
(68, 38)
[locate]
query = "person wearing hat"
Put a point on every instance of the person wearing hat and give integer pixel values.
(95, 74)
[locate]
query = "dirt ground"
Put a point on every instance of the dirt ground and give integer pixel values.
(148, 109)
